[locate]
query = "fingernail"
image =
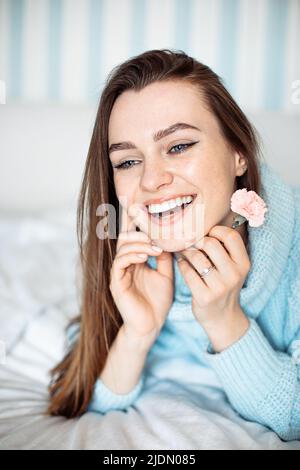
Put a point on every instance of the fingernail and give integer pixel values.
(142, 255)
(156, 248)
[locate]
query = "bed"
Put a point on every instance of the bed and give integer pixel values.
(38, 258)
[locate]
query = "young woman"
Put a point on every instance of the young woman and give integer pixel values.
(168, 132)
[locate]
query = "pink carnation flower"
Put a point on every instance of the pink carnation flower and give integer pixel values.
(249, 205)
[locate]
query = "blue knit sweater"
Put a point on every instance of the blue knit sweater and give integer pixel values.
(260, 373)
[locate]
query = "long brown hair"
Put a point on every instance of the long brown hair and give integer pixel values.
(72, 380)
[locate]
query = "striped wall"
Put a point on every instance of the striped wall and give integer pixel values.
(62, 50)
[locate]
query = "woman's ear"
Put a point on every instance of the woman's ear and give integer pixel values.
(240, 164)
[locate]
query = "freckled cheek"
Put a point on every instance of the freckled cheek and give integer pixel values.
(196, 174)
(121, 183)
(124, 190)
(211, 189)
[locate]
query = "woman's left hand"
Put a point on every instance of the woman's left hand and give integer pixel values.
(215, 298)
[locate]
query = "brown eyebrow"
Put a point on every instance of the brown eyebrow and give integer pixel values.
(156, 136)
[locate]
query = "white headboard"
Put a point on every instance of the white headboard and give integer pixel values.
(43, 151)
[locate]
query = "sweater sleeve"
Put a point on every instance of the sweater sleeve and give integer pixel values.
(103, 399)
(262, 384)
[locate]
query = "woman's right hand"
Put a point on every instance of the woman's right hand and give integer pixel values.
(142, 295)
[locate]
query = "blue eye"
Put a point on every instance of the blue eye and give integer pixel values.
(180, 145)
(122, 166)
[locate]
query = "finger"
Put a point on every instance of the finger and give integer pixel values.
(138, 248)
(164, 263)
(218, 255)
(232, 241)
(125, 237)
(199, 262)
(193, 280)
(127, 223)
(198, 245)
(121, 263)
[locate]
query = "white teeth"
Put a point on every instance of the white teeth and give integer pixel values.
(168, 205)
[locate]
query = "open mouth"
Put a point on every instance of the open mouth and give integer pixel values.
(169, 215)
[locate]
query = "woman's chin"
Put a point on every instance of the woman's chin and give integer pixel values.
(174, 245)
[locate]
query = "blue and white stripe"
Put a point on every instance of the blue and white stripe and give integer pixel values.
(62, 50)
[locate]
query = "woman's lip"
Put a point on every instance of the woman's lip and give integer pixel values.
(171, 219)
(162, 200)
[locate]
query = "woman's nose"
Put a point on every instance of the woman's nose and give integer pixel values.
(155, 175)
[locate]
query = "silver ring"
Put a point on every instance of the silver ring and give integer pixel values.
(207, 270)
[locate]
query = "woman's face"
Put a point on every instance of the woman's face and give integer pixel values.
(193, 161)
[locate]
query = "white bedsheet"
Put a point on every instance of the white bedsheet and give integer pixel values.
(37, 297)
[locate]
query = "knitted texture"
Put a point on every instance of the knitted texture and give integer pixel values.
(260, 373)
